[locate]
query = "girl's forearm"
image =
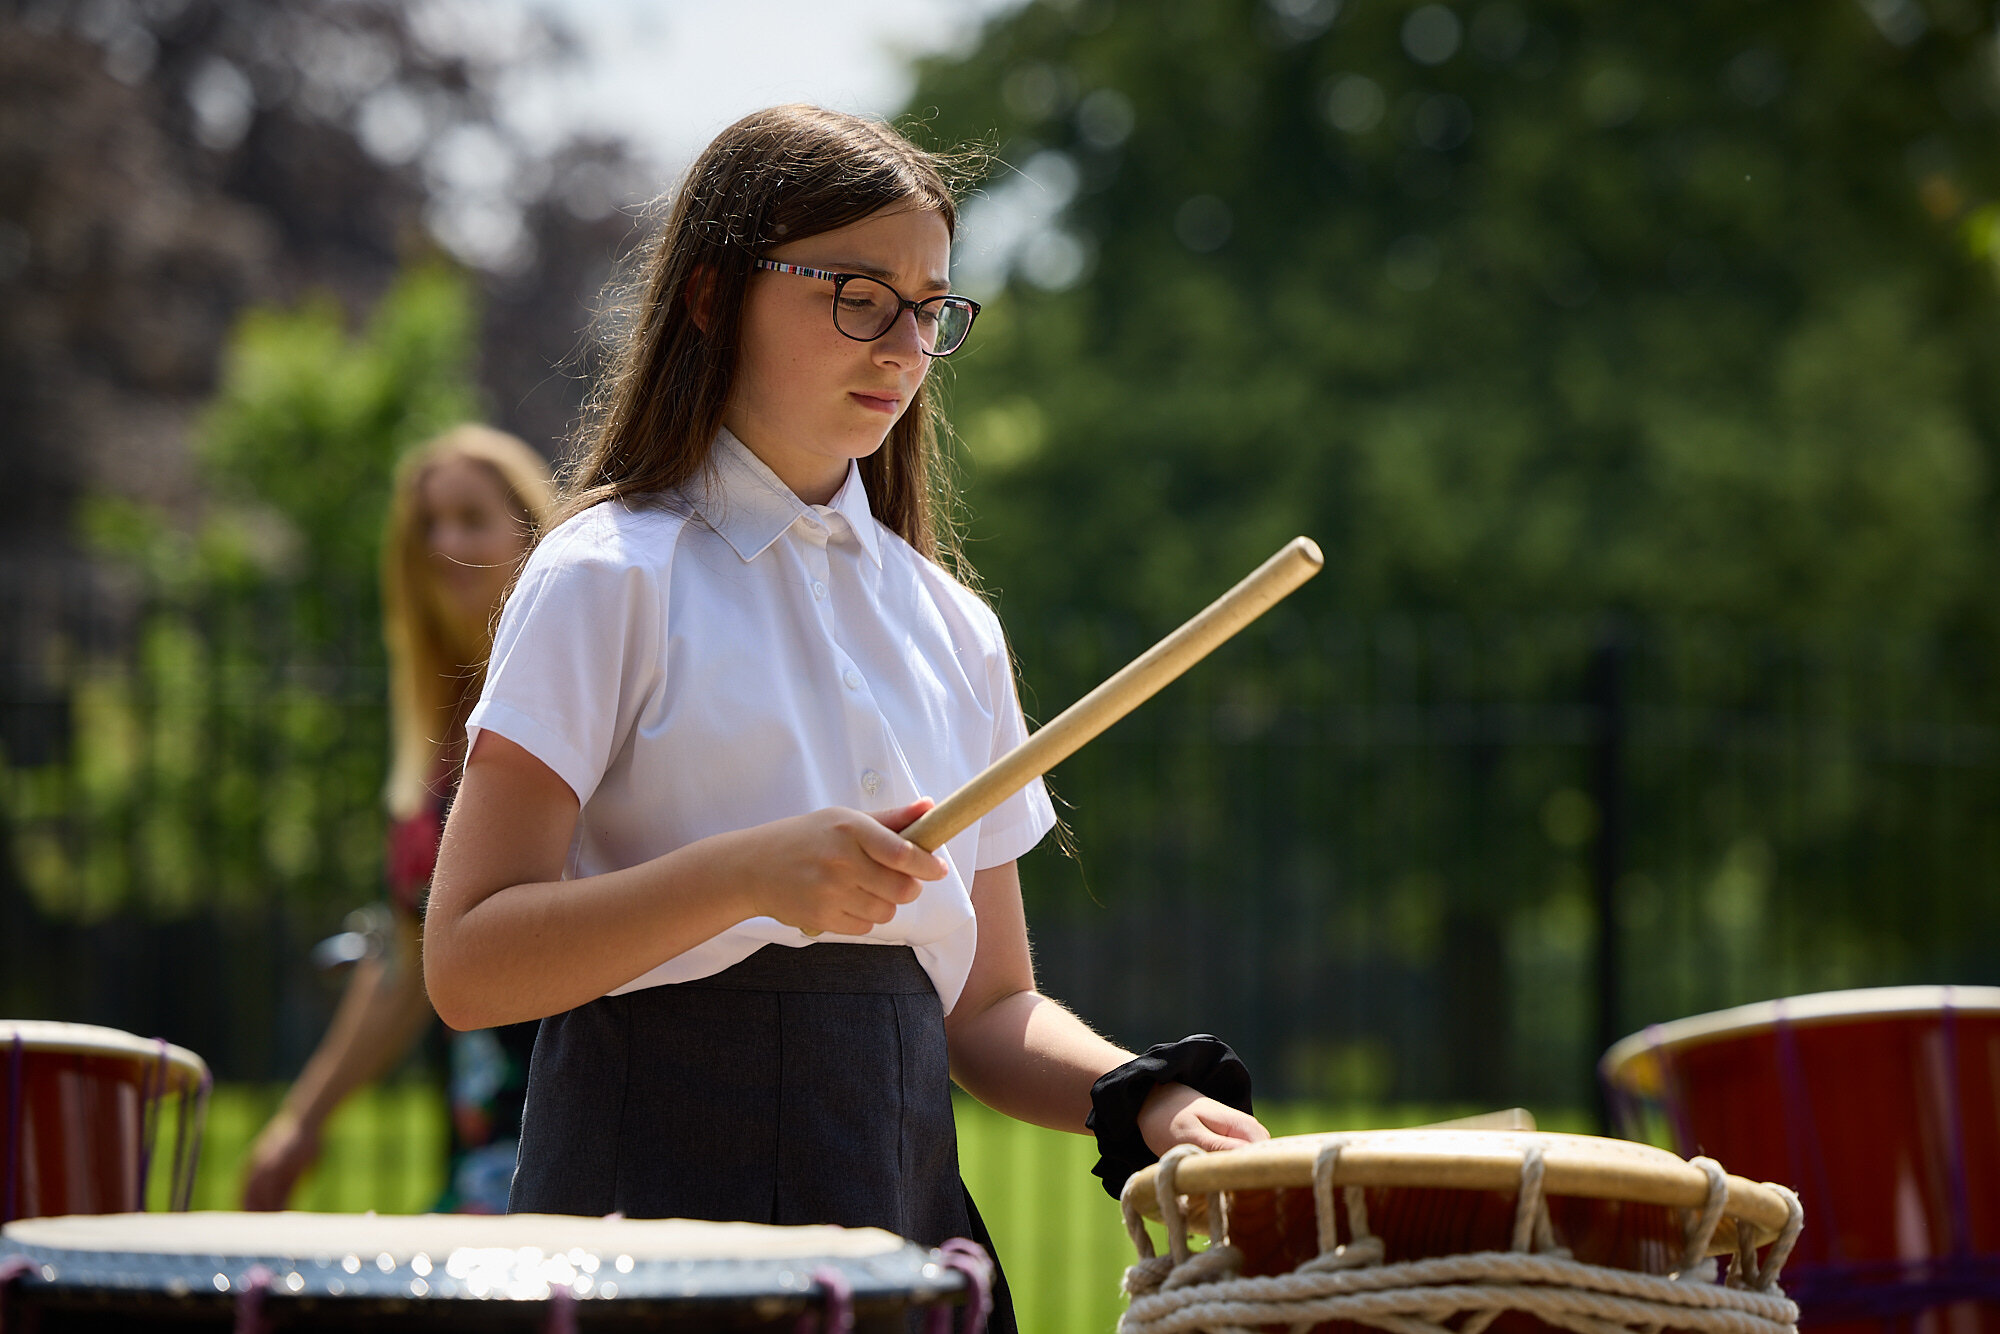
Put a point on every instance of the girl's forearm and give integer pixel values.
(508, 939)
(535, 949)
(1030, 1057)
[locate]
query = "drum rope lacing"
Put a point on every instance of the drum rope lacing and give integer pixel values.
(838, 1317)
(250, 1295)
(1186, 1291)
(969, 1258)
(12, 1268)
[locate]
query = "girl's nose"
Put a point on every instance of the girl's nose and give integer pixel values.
(449, 541)
(901, 344)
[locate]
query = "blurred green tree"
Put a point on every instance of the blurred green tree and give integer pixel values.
(241, 755)
(1546, 305)
(1543, 312)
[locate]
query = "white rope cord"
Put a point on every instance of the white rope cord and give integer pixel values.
(1189, 1292)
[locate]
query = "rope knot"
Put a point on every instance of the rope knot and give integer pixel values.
(1145, 1276)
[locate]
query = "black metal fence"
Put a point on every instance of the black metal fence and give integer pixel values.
(1424, 860)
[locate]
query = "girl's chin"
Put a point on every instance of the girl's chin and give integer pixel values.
(861, 445)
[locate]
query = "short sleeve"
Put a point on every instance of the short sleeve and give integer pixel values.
(575, 655)
(1020, 822)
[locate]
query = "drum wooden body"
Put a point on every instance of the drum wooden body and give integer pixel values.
(1435, 1193)
(79, 1107)
(1882, 1107)
(229, 1271)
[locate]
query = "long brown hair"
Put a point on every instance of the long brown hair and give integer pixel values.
(775, 176)
(433, 677)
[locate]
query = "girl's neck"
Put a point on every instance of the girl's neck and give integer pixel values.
(813, 478)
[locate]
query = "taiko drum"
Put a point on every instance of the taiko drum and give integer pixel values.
(532, 1273)
(79, 1108)
(1882, 1107)
(1436, 1192)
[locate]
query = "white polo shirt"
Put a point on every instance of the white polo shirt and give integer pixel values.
(734, 656)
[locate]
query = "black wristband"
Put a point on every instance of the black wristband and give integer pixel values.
(1203, 1062)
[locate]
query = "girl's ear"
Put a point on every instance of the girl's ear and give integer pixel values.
(701, 297)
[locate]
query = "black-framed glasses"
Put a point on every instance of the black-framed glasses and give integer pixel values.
(866, 308)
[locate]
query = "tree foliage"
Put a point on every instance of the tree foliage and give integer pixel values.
(1557, 305)
(237, 757)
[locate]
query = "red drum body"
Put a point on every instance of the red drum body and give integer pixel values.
(1882, 1107)
(79, 1111)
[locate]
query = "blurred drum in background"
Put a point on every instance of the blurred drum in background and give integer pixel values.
(80, 1110)
(251, 1272)
(1882, 1107)
(1506, 1232)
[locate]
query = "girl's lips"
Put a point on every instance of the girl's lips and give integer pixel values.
(875, 402)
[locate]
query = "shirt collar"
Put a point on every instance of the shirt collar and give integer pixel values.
(743, 500)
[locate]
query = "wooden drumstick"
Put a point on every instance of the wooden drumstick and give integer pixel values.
(1142, 678)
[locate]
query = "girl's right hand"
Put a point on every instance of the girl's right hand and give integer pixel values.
(839, 870)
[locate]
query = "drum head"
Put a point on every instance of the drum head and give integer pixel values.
(1432, 1193)
(436, 1271)
(1574, 1166)
(1633, 1064)
(183, 1070)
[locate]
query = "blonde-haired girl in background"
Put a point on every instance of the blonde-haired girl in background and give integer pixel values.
(465, 510)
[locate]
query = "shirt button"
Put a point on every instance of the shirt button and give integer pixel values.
(853, 679)
(819, 591)
(871, 782)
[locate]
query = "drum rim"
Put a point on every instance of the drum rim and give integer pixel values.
(1583, 1166)
(303, 1234)
(593, 1257)
(1631, 1063)
(56, 1037)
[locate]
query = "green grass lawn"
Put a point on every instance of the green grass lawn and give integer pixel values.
(1057, 1232)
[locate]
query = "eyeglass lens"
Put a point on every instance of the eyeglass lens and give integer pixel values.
(865, 309)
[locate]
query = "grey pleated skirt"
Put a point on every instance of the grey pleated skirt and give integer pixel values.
(800, 1086)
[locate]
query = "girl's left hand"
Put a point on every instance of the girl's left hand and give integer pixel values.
(1176, 1114)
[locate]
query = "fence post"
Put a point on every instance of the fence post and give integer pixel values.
(1607, 691)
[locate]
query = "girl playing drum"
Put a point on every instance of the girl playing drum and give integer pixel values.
(725, 680)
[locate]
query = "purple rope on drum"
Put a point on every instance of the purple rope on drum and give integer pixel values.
(1891, 1291)
(561, 1311)
(250, 1301)
(1670, 1089)
(149, 1117)
(11, 1269)
(187, 1142)
(1804, 1148)
(1954, 1107)
(970, 1259)
(839, 1314)
(8, 1197)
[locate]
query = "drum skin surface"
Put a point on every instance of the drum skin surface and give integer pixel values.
(1882, 1107)
(231, 1271)
(74, 1102)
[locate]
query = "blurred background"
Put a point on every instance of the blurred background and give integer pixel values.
(1637, 368)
